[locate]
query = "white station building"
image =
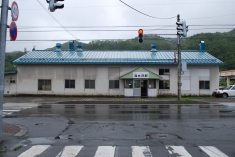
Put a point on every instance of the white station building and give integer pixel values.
(134, 73)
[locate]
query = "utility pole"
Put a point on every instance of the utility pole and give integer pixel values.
(3, 34)
(179, 62)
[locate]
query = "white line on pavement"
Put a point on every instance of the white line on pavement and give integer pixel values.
(11, 110)
(179, 150)
(105, 151)
(141, 151)
(70, 151)
(34, 151)
(212, 151)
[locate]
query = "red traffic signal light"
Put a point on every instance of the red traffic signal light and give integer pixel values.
(141, 35)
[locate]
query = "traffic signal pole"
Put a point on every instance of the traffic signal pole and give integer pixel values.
(179, 62)
(3, 34)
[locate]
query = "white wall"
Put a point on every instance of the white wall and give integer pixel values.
(28, 75)
(10, 88)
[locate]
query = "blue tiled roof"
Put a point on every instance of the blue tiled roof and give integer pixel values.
(115, 57)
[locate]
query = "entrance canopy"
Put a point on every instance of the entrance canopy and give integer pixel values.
(141, 73)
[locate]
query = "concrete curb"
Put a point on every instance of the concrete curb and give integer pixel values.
(22, 132)
(131, 102)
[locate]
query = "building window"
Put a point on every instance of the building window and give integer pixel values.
(164, 84)
(69, 83)
(12, 81)
(44, 85)
(113, 84)
(128, 83)
(164, 71)
(152, 83)
(90, 84)
(204, 84)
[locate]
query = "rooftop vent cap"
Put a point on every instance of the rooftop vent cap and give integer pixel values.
(71, 46)
(58, 47)
(202, 46)
(154, 47)
(79, 46)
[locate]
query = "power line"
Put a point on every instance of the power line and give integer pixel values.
(136, 5)
(25, 27)
(173, 25)
(114, 30)
(159, 38)
(56, 20)
(144, 13)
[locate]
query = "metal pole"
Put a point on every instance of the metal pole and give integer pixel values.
(179, 62)
(3, 34)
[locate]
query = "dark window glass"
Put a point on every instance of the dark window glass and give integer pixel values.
(164, 84)
(66, 83)
(116, 84)
(161, 71)
(128, 83)
(152, 83)
(164, 71)
(113, 84)
(69, 83)
(201, 84)
(204, 84)
(90, 84)
(44, 85)
(86, 83)
(72, 83)
(233, 88)
(207, 84)
(12, 81)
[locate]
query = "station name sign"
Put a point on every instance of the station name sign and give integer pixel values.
(140, 74)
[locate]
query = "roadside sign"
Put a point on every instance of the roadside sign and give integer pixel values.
(13, 31)
(14, 11)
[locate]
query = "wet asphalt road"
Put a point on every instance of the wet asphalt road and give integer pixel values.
(131, 112)
(124, 126)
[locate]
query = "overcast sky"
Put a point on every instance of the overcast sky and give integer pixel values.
(115, 13)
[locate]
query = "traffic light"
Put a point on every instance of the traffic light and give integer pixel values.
(182, 28)
(53, 5)
(141, 35)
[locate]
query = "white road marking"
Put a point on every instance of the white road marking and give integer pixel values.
(34, 151)
(70, 151)
(141, 151)
(105, 151)
(212, 151)
(180, 151)
(11, 110)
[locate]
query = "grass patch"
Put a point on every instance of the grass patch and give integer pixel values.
(17, 148)
(2, 152)
(185, 99)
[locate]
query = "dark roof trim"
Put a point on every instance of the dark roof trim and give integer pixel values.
(10, 72)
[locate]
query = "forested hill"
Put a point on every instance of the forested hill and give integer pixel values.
(220, 45)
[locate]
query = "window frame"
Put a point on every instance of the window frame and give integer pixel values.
(204, 85)
(89, 84)
(130, 81)
(150, 83)
(13, 81)
(44, 83)
(113, 82)
(164, 71)
(70, 85)
(163, 84)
